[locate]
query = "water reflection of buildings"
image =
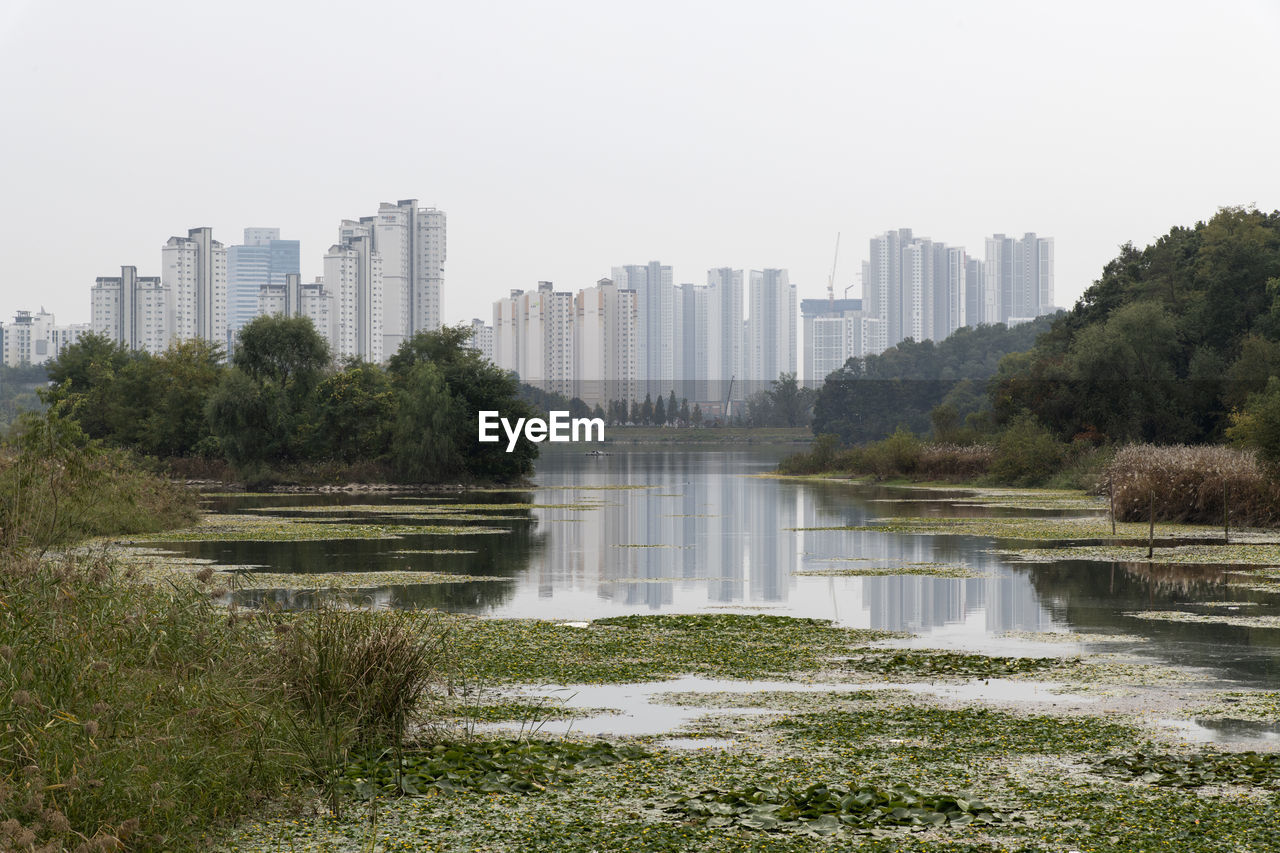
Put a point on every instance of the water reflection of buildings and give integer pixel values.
(1004, 600)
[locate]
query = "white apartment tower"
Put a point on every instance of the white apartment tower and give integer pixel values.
(297, 299)
(534, 337)
(412, 243)
(771, 327)
(725, 351)
(353, 274)
(37, 339)
(655, 301)
(606, 340)
(134, 311)
(482, 338)
(194, 269)
(1018, 278)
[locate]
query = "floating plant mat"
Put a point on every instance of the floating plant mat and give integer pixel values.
(1026, 528)
(920, 662)
(407, 551)
(939, 570)
(1195, 770)
(1261, 706)
(252, 528)
(492, 767)
(1219, 618)
(342, 580)
(1262, 552)
(826, 809)
(425, 510)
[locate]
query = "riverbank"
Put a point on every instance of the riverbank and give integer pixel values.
(1065, 740)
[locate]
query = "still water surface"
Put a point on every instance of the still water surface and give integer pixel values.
(697, 532)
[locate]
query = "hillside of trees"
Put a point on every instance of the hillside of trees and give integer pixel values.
(282, 408)
(1175, 343)
(869, 398)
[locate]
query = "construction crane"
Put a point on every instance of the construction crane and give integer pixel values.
(831, 279)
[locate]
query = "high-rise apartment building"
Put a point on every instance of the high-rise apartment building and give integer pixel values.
(832, 331)
(482, 338)
(655, 301)
(412, 243)
(771, 328)
(1018, 278)
(606, 343)
(534, 337)
(725, 335)
(696, 333)
(353, 274)
(263, 260)
(36, 338)
(295, 298)
(134, 311)
(194, 269)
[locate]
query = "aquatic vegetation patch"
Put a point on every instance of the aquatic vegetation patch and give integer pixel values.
(1219, 618)
(1248, 705)
(645, 648)
(1025, 528)
(928, 663)
(1195, 770)
(928, 734)
(1263, 554)
(342, 580)
(825, 809)
(937, 570)
(491, 767)
(241, 528)
(525, 711)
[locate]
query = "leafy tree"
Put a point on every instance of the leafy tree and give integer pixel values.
(354, 411)
(671, 409)
(646, 410)
(697, 414)
(249, 419)
(474, 385)
(660, 412)
(684, 411)
(182, 380)
(423, 447)
(285, 350)
(1258, 424)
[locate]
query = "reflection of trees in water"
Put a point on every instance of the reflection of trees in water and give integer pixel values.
(500, 555)
(1093, 596)
(466, 597)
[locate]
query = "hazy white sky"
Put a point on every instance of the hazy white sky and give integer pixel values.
(563, 138)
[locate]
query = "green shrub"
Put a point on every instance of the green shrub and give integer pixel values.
(1026, 454)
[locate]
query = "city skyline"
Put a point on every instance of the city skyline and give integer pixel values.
(512, 145)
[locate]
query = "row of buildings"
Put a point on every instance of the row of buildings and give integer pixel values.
(383, 281)
(638, 333)
(914, 287)
(632, 334)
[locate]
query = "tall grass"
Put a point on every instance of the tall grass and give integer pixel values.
(357, 682)
(138, 715)
(1193, 484)
(56, 487)
(128, 713)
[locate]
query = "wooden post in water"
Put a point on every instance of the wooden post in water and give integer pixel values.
(1151, 524)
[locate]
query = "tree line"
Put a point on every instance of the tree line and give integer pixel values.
(282, 402)
(1175, 343)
